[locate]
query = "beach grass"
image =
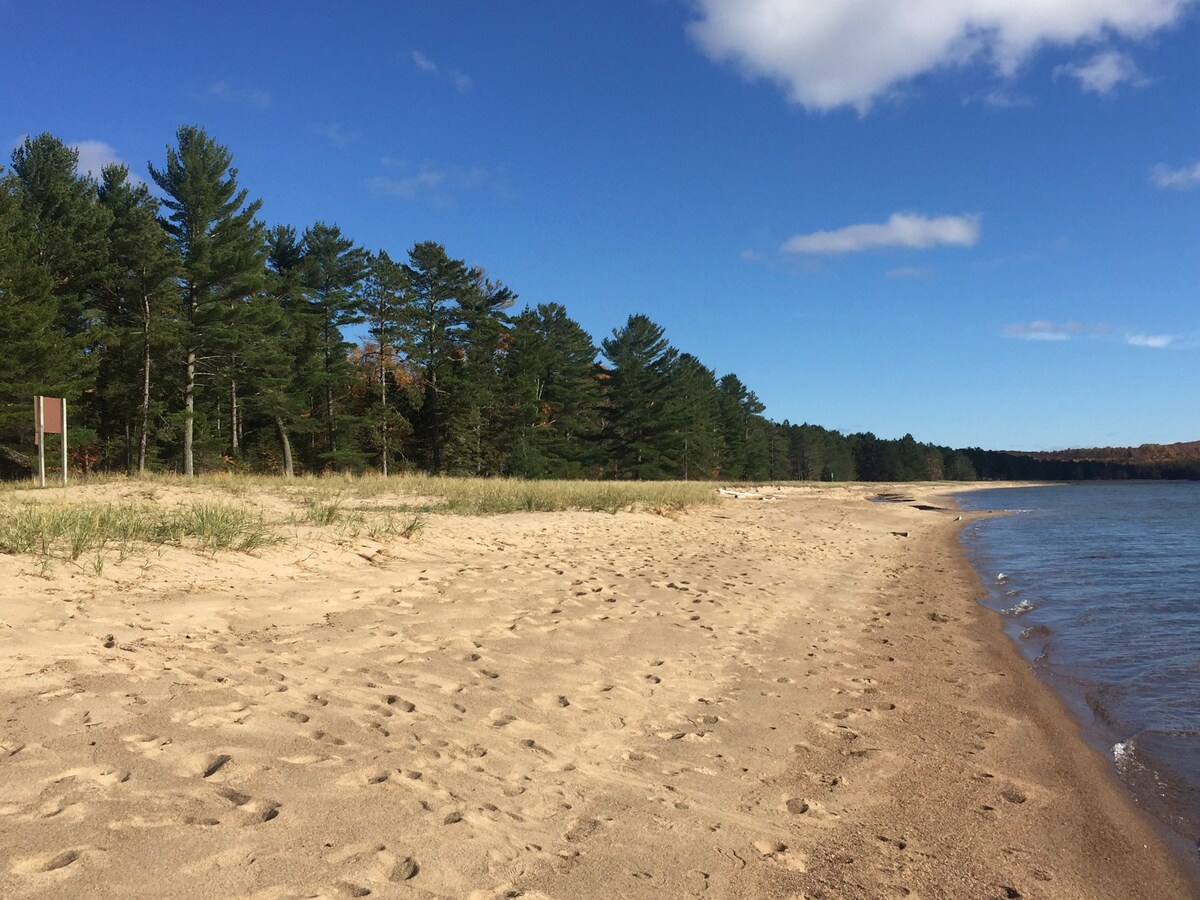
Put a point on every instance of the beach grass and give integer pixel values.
(217, 513)
(69, 530)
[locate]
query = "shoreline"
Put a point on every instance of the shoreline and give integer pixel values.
(1093, 736)
(757, 700)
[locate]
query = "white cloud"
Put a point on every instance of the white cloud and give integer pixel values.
(253, 97)
(1045, 330)
(424, 63)
(95, 155)
(1180, 179)
(853, 52)
(1104, 71)
(900, 230)
(338, 135)
(429, 183)
(458, 79)
(1156, 341)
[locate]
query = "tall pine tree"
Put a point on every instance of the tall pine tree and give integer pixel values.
(220, 245)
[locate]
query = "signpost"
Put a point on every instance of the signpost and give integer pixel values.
(49, 417)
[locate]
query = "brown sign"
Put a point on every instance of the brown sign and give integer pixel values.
(52, 415)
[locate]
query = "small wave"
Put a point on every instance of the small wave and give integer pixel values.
(1122, 752)
(1020, 609)
(1035, 631)
(1001, 578)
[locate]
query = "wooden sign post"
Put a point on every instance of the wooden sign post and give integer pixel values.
(50, 417)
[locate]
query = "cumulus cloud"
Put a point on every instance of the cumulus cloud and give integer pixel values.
(429, 182)
(1104, 71)
(1180, 179)
(852, 52)
(95, 155)
(458, 79)
(229, 93)
(900, 230)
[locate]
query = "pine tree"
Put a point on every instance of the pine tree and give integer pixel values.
(438, 284)
(220, 245)
(472, 404)
(387, 305)
(641, 428)
(746, 451)
(333, 272)
(695, 391)
(280, 392)
(553, 395)
(67, 235)
(33, 360)
(137, 297)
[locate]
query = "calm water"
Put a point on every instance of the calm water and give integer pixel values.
(1100, 586)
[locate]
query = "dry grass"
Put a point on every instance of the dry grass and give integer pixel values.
(258, 511)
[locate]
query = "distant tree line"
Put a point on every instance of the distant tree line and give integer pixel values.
(189, 336)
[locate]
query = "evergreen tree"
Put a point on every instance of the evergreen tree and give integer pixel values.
(333, 272)
(438, 284)
(67, 235)
(746, 452)
(137, 297)
(281, 392)
(34, 360)
(387, 304)
(642, 425)
(473, 403)
(69, 227)
(554, 396)
(695, 390)
(220, 245)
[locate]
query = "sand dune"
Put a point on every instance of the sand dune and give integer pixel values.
(764, 699)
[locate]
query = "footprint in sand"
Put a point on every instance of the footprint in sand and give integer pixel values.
(207, 764)
(498, 718)
(48, 862)
(253, 811)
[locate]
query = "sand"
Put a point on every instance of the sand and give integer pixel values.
(768, 699)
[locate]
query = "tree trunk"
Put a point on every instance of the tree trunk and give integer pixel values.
(144, 425)
(286, 443)
(189, 408)
(234, 425)
(383, 421)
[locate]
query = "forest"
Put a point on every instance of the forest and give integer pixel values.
(187, 335)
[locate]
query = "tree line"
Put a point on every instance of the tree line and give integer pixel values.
(187, 335)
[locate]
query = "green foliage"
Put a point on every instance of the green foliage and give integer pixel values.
(554, 395)
(187, 336)
(222, 250)
(642, 423)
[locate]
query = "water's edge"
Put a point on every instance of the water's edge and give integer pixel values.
(1089, 730)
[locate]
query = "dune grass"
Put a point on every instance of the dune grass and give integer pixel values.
(327, 497)
(67, 525)
(68, 531)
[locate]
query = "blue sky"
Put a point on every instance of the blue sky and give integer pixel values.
(978, 222)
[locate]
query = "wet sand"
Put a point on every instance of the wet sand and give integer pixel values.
(770, 699)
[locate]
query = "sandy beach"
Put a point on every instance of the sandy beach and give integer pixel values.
(795, 697)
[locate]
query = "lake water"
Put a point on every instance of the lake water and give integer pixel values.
(1099, 584)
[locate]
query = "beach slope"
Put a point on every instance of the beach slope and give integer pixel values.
(795, 697)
